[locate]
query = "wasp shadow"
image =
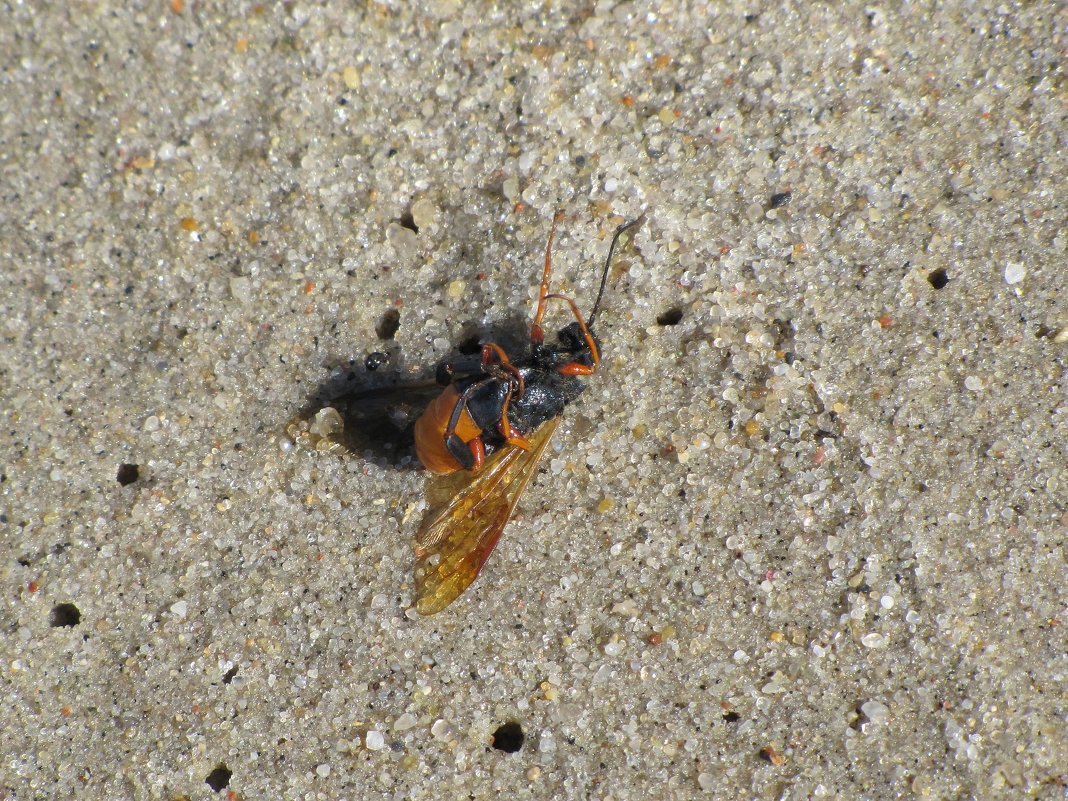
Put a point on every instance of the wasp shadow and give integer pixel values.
(369, 409)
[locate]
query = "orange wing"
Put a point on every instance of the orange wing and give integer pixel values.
(466, 515)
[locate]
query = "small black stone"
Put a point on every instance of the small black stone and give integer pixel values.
(780, 199)
(375, 360)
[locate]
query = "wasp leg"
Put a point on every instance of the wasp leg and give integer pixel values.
(502, 364)
(493, 349)
(512, 436)
(577, 368)
(478, 453)
(515, 387)
(537, 336)
(469, 455)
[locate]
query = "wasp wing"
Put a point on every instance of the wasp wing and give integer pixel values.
(466, 515)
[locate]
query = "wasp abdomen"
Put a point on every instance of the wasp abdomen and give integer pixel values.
(475, 405)
(430, 441)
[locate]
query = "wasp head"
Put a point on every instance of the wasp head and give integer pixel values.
(573, 340)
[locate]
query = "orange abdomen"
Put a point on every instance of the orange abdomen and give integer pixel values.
(430, 432)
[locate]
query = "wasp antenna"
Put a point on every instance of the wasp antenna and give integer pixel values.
(608, 263)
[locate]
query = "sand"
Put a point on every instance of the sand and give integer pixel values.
(802, 537)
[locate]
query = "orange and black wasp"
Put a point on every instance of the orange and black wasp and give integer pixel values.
(484, 435)
(481, 435)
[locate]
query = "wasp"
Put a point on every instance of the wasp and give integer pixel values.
(483, 436)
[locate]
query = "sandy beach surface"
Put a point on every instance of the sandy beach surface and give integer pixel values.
(802, 537)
